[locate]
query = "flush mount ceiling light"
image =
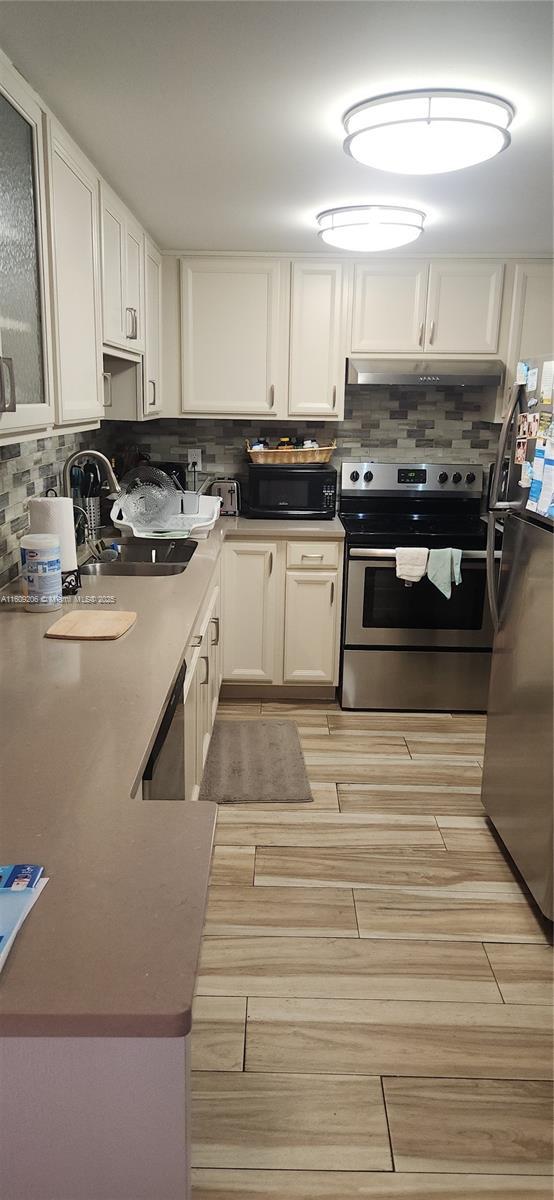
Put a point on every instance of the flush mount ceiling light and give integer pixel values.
(427, 132)
(370, 226)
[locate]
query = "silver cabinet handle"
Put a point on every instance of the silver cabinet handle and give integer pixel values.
(207, 662)
(272, 395)
(132, 336)
(7, 404)
(334, 400)
(129, 313)
(332, 592)
(318, 556)
(107, 377)
(197, 640)
(270, 572)
(152, 403)
(432, 333)
(215, 621)
(421, 331)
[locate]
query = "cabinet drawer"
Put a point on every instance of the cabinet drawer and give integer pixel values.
(313, 554)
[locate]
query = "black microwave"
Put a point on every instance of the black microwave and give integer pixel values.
(298, 492)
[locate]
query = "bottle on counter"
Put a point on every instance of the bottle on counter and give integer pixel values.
(41, 571)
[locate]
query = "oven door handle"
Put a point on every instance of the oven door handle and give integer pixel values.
(358, 555)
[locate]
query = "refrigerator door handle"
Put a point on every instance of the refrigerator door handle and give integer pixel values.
(491, 572)
(518, 392)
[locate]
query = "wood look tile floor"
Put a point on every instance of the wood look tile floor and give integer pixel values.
(374, 1004)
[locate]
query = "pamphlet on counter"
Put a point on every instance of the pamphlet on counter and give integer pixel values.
(20, 888)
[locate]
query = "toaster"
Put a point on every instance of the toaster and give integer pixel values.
(229, 490)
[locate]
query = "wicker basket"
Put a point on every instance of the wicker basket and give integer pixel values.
(270, 457)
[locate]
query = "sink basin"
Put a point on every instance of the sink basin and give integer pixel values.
(132, 568)
(142, 556)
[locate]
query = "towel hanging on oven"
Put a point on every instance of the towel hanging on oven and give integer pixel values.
(444, 569)
(411, 562)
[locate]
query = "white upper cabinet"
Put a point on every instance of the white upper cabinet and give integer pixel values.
(319, 302)
(448, 307)
(26, 380)
(234, 314)
(122, 275)
(463, 307)
(73, 196)
(531, 320)
(389, 307)
(153, 331)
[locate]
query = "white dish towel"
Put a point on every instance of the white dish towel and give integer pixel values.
(411, 563)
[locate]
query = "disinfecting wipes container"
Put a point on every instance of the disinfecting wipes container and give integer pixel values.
(42, 571)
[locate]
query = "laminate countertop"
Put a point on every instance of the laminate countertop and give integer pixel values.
(112, 944)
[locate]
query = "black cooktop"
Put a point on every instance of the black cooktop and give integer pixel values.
(388, 530)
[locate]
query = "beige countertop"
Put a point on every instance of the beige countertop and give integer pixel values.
(128, 878)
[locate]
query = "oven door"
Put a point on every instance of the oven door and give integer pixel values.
(382, 610)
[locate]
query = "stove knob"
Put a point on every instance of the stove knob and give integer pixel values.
(368, 476)
(355, 475)
(443, 477)
(470, 477)
(456, 478)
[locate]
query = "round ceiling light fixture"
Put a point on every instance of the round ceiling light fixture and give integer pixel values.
(366, 227)
(427, 132)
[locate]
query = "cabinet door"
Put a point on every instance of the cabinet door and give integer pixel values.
(463, 308)
(389, 307)
(192, 772)
(114, 255)
(134, 285)
(250, 579)
(532, 318)
(26, 383)
(234, 336)
(311, 605)
(215, 654)
(75, 281)
(153, 331)
(319, 310)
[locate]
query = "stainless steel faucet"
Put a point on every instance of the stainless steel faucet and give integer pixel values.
(98, 457)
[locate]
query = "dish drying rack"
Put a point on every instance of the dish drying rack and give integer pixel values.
(153, 505)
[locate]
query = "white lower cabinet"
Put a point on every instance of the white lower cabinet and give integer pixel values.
(281, 624)
(201, 692)
(311, 605)
(250, 591)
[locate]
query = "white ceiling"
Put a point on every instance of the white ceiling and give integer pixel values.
(220, 122)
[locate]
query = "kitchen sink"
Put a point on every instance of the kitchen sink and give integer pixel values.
(140, 556)
(132, 568)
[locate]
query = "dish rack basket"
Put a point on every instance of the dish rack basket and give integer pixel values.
(151, 506)
(290, 456)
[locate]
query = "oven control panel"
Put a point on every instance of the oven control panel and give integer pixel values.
(450, 478)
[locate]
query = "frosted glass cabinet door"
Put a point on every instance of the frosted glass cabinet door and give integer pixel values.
(24, 390)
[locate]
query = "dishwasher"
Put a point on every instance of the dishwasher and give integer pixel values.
(164, 774)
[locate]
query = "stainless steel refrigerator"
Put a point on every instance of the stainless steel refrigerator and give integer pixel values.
(518, 792)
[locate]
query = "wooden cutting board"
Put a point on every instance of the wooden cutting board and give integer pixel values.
(102, 626)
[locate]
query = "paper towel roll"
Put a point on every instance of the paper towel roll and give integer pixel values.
(54, 514)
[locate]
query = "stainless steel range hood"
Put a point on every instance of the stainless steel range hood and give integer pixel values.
(423, 373)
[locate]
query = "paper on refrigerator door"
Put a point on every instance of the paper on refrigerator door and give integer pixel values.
(547, 381)
(536, 484)
(545, 504)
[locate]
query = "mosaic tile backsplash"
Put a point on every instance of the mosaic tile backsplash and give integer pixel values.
(384, 423)
(387, 423)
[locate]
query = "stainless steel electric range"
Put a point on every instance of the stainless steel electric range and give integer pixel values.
(408, 647)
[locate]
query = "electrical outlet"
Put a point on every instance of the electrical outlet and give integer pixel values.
(195, 456)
